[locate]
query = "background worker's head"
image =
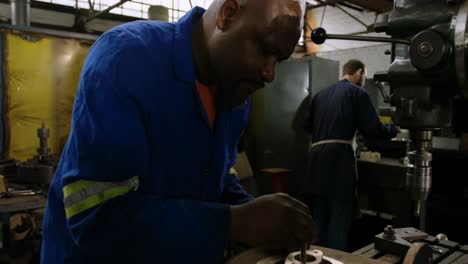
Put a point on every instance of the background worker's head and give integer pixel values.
(245, 39)
(355, 72)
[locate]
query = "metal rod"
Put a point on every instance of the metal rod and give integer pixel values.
(329, 2)
(422, 215)
(106, 10)
(91, 6)
(365, 38)
(304, 253)
(316, 6)
(323, 16)
(361, 32)
(20, 12)
(382, 92)
(339, 2)
(352, 7)
(326, 43)
(352, 16)
(308, 25)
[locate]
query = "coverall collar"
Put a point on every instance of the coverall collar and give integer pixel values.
(183, 55)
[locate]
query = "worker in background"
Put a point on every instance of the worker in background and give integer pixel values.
(144, 176)
(335, 114)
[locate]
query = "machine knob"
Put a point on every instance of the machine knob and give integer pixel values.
(389, 233)
(318, 36)
(441, 237)
(429, 50)
(425, 49)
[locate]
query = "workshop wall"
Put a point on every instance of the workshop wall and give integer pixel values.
(41, 74)
(374, 57)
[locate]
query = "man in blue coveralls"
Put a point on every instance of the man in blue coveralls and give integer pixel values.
(145, 174)
(335, 114)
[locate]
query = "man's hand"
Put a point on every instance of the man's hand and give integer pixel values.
(274, 221)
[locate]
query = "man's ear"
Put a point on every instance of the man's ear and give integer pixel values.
(228, 10)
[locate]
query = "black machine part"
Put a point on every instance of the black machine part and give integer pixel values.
(414, 246)
(461, 48)
(40, 169)
(411, 246)
(397, 241)
(419, 253)
(43, 150)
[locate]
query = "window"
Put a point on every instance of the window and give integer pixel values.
(137, 8)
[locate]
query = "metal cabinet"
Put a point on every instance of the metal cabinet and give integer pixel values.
(277, 139)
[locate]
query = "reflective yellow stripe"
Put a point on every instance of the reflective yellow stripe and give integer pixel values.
(385, 119)
(84, 194)
(96, 199)
(76, 186)
(233, 171)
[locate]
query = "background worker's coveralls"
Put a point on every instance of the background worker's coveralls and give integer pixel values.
(143, 178)
(335, 114)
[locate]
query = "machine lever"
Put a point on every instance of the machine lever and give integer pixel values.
(319, 35)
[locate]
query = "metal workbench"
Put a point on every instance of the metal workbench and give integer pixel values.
(11, 205)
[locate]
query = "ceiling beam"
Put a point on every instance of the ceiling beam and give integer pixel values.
(121, 2)
(334, 3)
(378, 6)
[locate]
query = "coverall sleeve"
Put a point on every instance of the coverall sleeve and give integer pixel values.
(368, 122)
(109, 223)
(234, 193)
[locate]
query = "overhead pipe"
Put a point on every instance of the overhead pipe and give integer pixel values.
(20, 12)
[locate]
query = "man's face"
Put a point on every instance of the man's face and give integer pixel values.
(245, 52)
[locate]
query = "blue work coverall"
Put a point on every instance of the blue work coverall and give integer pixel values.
(143, 178)
(335, 114)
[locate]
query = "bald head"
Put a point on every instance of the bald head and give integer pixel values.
(244, 39)
(255, 11)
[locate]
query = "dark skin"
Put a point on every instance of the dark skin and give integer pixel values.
(237, 43)
(236, 46)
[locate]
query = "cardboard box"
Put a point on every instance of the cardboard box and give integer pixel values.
(242, 166)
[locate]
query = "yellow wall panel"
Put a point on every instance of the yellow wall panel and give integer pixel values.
(41, 78)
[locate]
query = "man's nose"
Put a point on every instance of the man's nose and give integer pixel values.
(268, 71)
